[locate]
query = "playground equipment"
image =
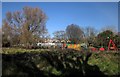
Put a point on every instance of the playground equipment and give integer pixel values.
(74, 46)
(113, 44)
(102, 49)
(81, 46)
(109, 46)
(84, 46)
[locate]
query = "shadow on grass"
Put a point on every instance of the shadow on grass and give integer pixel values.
(68, 63)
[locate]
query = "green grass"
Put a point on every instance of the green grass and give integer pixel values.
(106, 61)
(21, 50)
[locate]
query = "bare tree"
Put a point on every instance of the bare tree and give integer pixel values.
(74, 33)
(111, 28)
(44, 36)
(6, 34)
(26, 24)
(60, 35)
(90, 33)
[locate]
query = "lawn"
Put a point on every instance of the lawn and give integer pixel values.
(21, 50)
(57, 62)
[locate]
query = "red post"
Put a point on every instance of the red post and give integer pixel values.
(115, 48)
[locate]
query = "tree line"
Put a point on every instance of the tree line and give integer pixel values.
(27, 27)
(89, 35)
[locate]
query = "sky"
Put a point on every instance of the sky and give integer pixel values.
(0, 13)
(62, 14)
(119, 17)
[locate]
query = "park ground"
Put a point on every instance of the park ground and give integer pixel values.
(59, 63)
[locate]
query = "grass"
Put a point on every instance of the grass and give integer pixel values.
(106, 61)
(21, 50)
